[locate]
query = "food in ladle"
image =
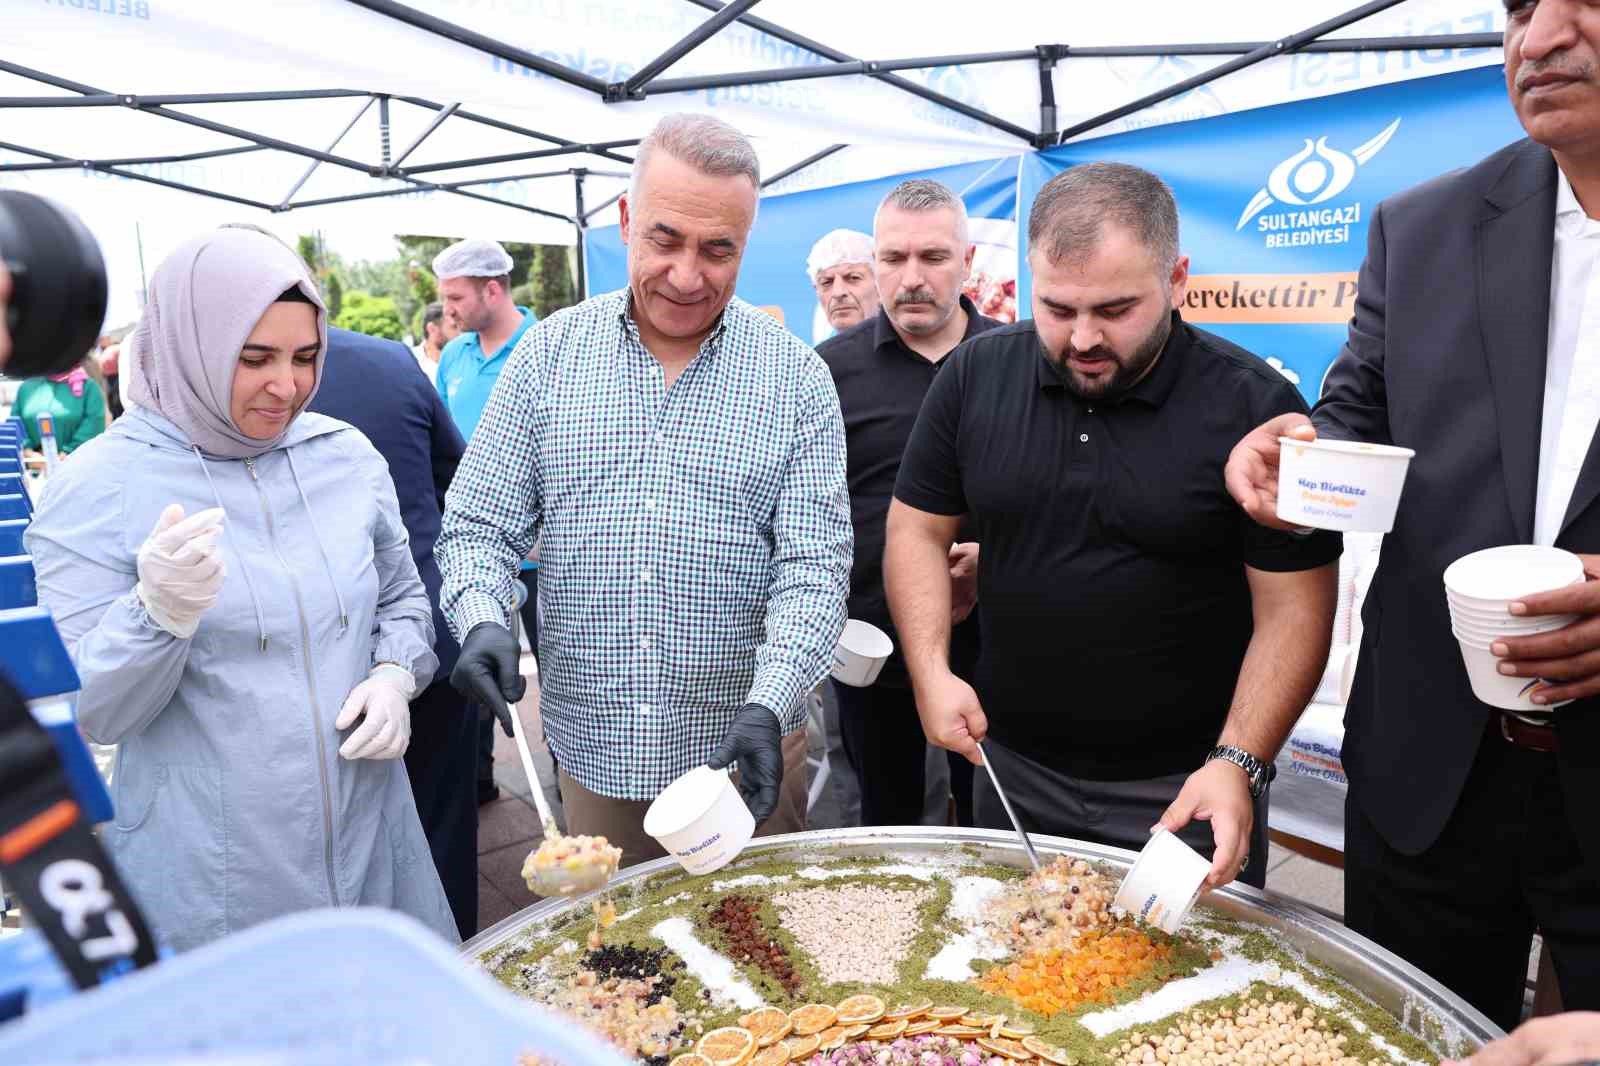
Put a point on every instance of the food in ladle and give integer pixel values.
(562, 865)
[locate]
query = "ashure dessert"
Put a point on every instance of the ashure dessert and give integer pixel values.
(947, 961)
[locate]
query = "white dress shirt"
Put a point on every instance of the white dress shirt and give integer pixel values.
(1572, 368)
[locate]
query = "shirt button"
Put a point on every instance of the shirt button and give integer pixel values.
(644, 642)
(644, 708)
(646, 575)
(1091, 410)
(661, 438)
(649, 503)
(1084, 437)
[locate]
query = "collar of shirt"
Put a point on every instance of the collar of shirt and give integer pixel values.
(472, 341)
(1571, 219)
(630, 326)
(1154, 388)
(886, 336)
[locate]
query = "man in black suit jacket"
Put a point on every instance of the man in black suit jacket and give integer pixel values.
(377, 386)
(1468, 828)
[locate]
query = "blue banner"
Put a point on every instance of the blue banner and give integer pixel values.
(1274, 203)
(773, 274)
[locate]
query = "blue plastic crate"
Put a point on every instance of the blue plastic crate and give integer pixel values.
(11, 530)
(18, 588)
(13, 485)
(324, 988)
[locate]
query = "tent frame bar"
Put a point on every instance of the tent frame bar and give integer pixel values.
(814, 157)
(1284, 46)
(634, 88)
(517, 157)
(135, 161)
(311, 168)
(772, 29)
(580, 223)
(106, 168)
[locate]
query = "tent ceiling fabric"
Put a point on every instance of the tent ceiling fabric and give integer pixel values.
(373, 47)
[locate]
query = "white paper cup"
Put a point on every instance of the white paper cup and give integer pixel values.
(1497, 576)
(1164, 882)
(701, 820)
(1497, 689)
(1348, 486)
(859, 656)
(1493, 631)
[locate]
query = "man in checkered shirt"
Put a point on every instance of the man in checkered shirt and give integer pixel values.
(683, 456)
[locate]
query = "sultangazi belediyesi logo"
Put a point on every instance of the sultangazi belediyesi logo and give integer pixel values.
(1314, 175)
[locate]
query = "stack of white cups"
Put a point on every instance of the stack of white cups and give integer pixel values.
(1480, 587)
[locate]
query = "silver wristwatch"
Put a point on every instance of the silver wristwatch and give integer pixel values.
(1257, 771)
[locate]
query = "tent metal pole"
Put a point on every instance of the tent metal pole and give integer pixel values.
(122, 99)
(814, 157)
(772, 29)
(634, 88)
(580, 223)
(438, 120)
(1284, 46)
(868, 67)
(1047, 54)
(422, 186)
(383, 133)
(151, 160)
(472, 39)
(1337, 44)
(131, 175)
(510, 127)
(315, 163)
(602, 205)
(132, 102)
(517, 157)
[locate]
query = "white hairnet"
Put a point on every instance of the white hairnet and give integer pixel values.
(472, 259)
(839, 246)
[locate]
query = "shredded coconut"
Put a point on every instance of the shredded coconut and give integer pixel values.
(713, 970)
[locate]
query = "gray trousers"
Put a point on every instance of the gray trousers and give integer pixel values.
(1117, 813)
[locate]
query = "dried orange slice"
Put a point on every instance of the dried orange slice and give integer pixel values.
(829, 1039)
(908, 1011)
(982, 1021)
(693, 1058)
(947, 1014)
(887, 1031)
(776, 1055)
(962, 1031)
(768, 1025)
(858, 1009)
(853, 1031)
(802, 1047)
(1046, 1051)
(1016, 1031)
(728, 1046)
(812, 1018)
(1010, 1049)
(918, 1028)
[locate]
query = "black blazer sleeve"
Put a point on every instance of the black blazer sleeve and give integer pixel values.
(446, 446)
(1355, 402)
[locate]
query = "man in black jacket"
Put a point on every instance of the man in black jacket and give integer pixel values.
(1468, 828)
(377, 386)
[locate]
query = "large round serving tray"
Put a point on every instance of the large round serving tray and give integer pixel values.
(1422, 1005)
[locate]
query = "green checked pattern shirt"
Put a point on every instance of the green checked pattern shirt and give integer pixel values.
(696, 551)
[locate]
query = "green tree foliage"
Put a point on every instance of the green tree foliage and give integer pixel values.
(552, 281)
(375, 316)
(333, 294)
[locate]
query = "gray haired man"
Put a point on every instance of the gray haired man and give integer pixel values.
(683, 457)
(882, 369)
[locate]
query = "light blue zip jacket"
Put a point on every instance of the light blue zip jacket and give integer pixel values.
(232, 803)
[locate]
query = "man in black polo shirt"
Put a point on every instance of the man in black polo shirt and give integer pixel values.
(882, 369)
(1147, 648)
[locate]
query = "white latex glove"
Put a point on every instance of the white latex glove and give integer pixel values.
(181, 569)
(385, 698)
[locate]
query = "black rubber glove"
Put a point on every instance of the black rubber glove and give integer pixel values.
(488, 670)
(754, 742)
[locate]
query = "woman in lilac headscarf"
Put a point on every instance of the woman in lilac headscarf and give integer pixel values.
(235, 583)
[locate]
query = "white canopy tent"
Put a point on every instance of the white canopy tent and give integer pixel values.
(516, 118)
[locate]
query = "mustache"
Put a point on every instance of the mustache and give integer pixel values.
(1099, 351)
(1560, 63)
(915, 296)
(844, 301)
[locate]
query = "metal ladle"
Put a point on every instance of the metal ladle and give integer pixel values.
(555, 880)
(1027, 845)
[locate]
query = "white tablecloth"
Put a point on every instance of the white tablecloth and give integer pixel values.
(1308, 793)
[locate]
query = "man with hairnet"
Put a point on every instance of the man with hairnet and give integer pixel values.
(840, 266)
(475, 288)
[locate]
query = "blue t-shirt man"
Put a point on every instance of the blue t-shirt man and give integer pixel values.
(467, 374)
